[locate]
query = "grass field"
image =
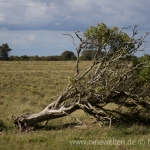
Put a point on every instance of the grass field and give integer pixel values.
(29, 86)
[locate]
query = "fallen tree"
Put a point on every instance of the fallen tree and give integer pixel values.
(111, 80)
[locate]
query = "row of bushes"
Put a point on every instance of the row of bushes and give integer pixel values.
(35, 58)
(66, 55)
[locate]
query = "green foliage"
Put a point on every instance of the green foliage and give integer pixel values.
(15, 58)
(35, 58)
(2, 126)
(72, 80)
(87, 55)
(4, 51)
(52, 58)
(100, 35)
(99, 89)
(133, 59)
(144, 58)
(24, 58)
(68, 55)
(144, 73)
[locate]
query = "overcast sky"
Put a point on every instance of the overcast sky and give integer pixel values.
(36, 27)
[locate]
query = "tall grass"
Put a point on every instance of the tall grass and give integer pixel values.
(28, 87)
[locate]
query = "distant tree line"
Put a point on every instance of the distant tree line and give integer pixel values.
(67, 55)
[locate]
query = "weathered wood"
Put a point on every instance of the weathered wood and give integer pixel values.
(25, 122)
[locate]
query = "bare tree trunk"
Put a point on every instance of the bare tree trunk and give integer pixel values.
(25, 122)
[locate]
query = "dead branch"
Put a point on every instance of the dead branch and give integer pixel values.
(110, 80)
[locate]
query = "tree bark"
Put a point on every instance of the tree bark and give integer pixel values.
(26, 122)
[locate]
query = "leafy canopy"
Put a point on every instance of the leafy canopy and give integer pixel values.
(101, 35)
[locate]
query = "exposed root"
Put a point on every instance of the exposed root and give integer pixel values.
(109, 121)
(20, 125)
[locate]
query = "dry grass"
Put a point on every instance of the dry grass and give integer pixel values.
(28, 87)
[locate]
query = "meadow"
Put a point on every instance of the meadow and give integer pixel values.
(27, 87)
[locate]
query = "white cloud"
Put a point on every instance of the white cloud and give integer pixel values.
(78, 5)
(37, 42)
(44, 14)
(68, 17)
(57, 23)
(35, 12)
(64, 15)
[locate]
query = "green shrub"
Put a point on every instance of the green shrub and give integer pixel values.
(2, 125)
